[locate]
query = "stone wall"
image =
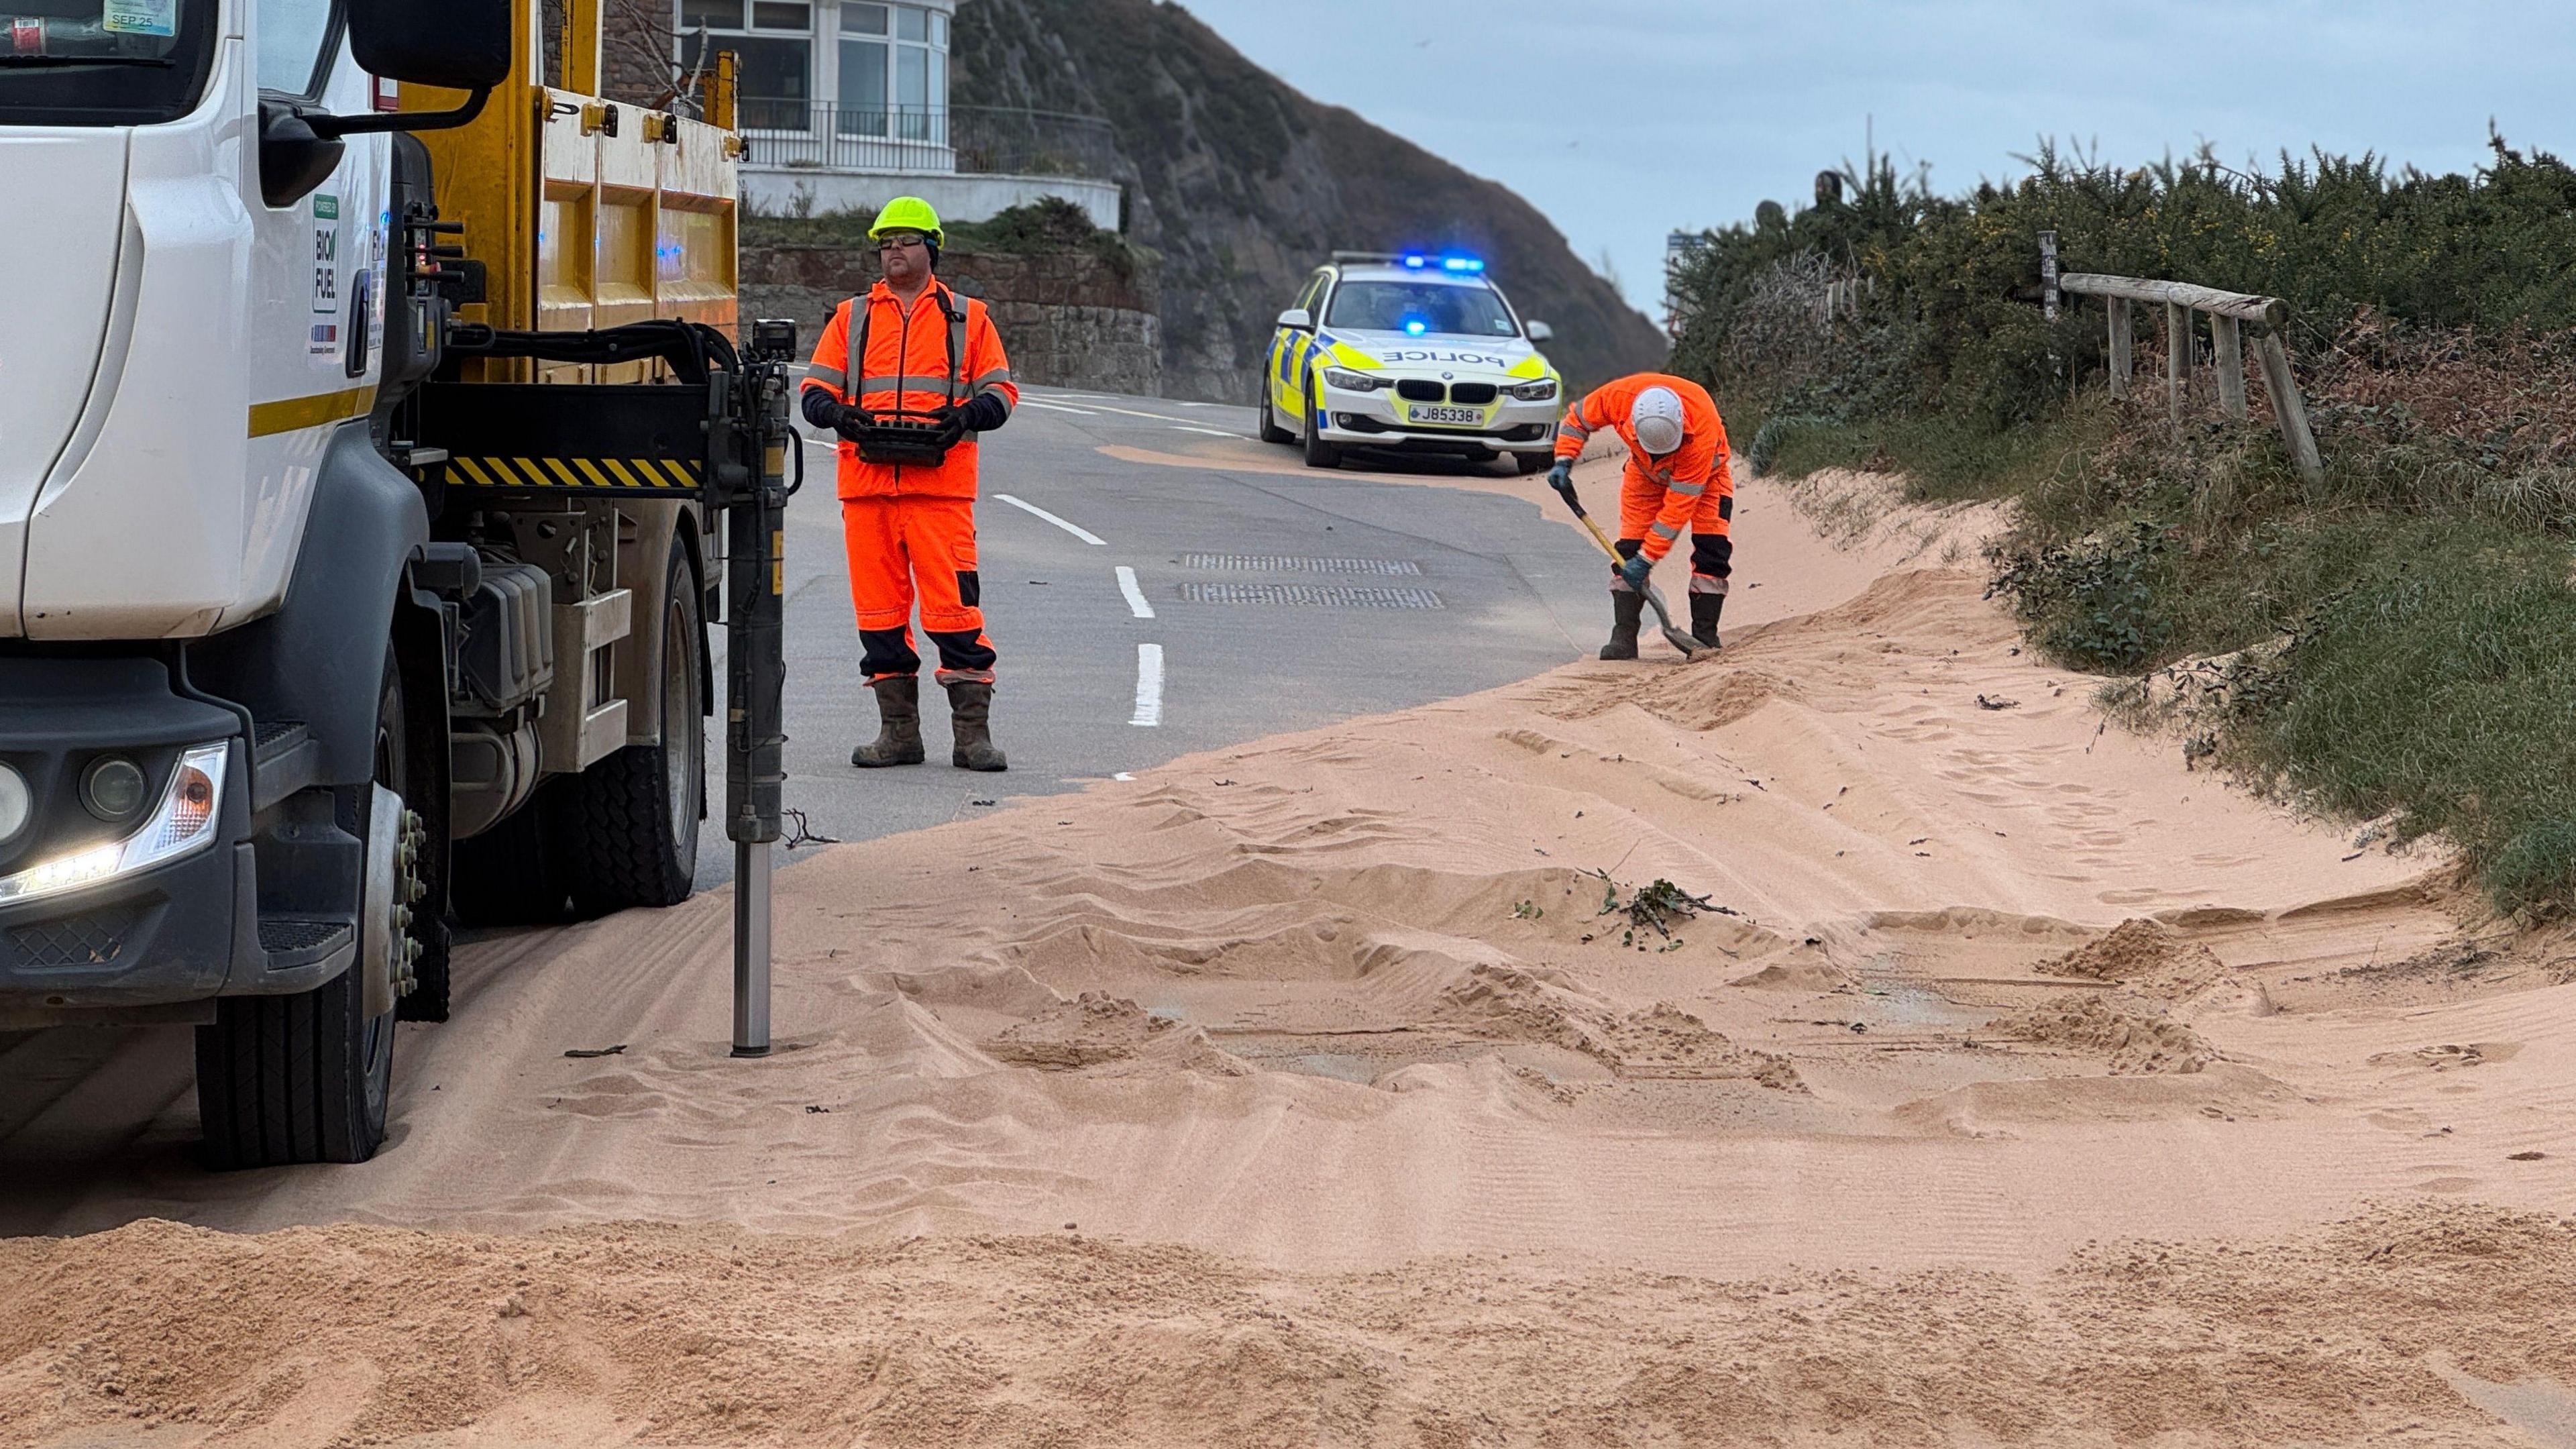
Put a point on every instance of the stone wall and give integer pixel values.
(1068, 319)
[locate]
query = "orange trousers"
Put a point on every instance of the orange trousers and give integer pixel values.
(1641, 500)
(909, 547)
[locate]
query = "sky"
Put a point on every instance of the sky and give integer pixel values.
(1623, 120)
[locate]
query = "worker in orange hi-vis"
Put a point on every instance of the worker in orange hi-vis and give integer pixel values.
(909, 376)
(1677, 477)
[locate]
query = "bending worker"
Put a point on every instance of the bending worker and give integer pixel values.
(1677, 478)
(908, 398)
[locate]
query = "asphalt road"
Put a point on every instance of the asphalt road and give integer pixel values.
(1175, 495)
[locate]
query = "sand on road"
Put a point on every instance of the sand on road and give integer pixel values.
(2012, 1084)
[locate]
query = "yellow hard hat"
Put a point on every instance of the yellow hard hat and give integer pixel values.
(907, 213)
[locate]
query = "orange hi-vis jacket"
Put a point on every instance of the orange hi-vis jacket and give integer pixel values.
(908, 372)
(1696, 470)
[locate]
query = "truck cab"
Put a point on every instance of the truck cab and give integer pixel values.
(357, 376)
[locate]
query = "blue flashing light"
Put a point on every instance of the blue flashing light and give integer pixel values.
(1416, 260)
(1415, 327)
(1469, 265)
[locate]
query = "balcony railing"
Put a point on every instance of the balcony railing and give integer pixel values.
(978, 140)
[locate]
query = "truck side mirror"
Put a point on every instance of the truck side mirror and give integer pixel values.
(461, 45)
(1540, 331)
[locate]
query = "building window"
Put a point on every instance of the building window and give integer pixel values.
(894, 71)
(775, 41)
(883, 65)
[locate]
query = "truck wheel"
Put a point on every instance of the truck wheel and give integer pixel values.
(1319, 454)
(305, 1078)
(630, 821)
(1270, 430)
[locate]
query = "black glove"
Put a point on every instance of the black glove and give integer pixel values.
(821, 409)
(852, 422)
(951, 425)
(985, 412)
(1561, 478)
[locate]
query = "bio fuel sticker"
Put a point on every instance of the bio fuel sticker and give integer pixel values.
(141, 17)
(326, 274)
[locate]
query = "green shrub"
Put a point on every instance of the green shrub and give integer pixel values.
(2439, 687)
(2415, 602)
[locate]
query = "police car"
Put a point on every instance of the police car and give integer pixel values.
(1412, 352)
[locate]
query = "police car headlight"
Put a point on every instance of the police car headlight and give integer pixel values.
(1353, 381)
(1539, 391)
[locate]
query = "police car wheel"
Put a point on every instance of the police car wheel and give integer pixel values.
(1529, 463)
(1271, 432)
(1319, 454)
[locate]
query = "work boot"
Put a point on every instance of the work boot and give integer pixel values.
(1626, 608)
(899, 736)
(970, 709)
(1704, 612)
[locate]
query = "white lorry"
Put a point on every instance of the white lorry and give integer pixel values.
(364, 401)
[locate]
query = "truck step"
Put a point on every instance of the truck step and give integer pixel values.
(292, 941)
(284, 758)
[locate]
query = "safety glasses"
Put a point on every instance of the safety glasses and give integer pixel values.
(896, 241)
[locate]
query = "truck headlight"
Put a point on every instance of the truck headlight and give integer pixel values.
(112, 787)
(183, 825)
(1353, 381)
(1539, 391)
(17, 803)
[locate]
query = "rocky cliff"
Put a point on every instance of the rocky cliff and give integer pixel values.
(1243, 185)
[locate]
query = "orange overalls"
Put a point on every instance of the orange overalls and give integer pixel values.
(1691, 487)
(911, 527)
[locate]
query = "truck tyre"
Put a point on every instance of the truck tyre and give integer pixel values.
(1319, 454)
(630, 821)
(1270, 430)
(306, 1078)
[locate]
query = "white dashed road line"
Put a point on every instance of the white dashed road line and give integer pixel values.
(1076, 529)
(1149, 686)
(1131, 412)
(1135, 595)
(1030, 402)
(1211, 432)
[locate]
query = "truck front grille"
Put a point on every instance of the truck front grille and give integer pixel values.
(92, 938)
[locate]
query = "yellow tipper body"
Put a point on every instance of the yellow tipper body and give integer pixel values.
(588, 213)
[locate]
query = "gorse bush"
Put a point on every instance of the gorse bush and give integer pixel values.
(2407, 625)
(1944, 316)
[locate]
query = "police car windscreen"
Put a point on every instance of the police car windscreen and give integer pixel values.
(1420, 307)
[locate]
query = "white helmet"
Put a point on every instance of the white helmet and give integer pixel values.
(1656, 419)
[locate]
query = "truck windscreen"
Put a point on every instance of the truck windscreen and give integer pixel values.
(102, 62)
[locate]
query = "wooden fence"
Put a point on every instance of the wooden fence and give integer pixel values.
(2229, 313)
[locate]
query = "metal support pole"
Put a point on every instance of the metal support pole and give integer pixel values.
(751, 867)
(755, 686)
(2227, 348)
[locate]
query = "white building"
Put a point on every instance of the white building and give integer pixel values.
(845, 104)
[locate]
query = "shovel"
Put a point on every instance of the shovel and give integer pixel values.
(1680, 639)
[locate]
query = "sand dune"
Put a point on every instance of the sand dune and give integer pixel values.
(1327, 1090)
